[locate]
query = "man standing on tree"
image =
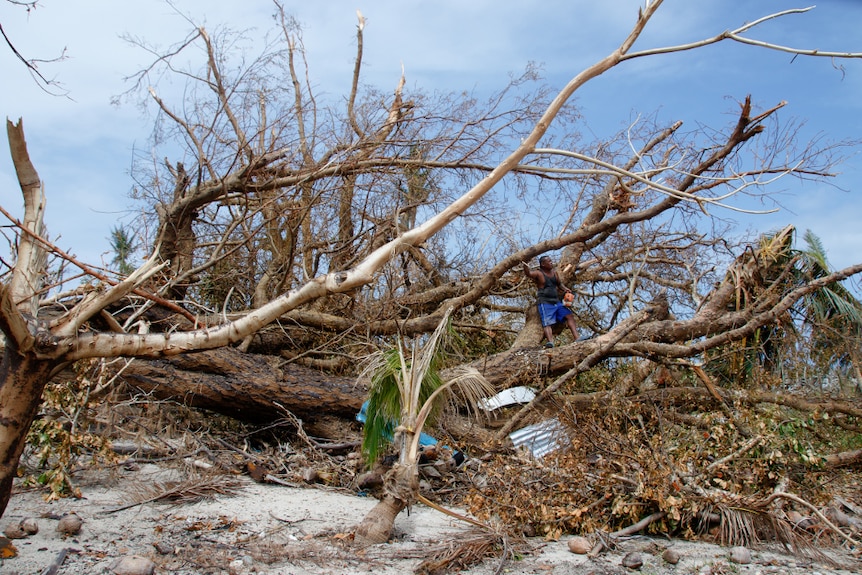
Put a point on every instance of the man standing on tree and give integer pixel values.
(551, 308)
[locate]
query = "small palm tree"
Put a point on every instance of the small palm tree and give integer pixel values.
(123, 246)
(832, 315)
(406, 390)
(821, 331)
(825, 325)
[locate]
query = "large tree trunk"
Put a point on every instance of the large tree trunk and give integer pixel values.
(246, 386)
(21, 382)
(22, 376)
(255, 388)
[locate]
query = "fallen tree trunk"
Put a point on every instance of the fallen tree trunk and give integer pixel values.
(251, 387)
(246, 386)
(843, 458)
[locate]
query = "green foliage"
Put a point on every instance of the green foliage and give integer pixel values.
(820, 333)
(59, 437)
(406, 386)
(123, 245)
(832, 314)
(385, 398)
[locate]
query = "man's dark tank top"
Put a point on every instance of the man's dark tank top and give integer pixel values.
(548, 293)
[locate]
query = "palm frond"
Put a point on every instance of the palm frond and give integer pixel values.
(384, 404)
(468, 550)
(750, 522)
(426, 360)
(843, 304)
(833, 303)
(470, 387)
(776, 245)
(468, 382)
(815, 255)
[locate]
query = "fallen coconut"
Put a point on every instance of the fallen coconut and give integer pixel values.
(633, 560)
(14, 531)
(740, 555)
(670, 556)
(580, 545)
(70, 524)
(30, 526)
(133, 565)
(22, 529)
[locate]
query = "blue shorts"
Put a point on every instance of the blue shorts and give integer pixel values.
(551, 313)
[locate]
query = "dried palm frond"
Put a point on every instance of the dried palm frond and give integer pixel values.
(465, 551)
(751, 522)
(279, 550)
(196, 489)
(189, 490)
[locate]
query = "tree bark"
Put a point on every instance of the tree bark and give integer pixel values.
(22, 380)
(22, 375)
(401, 486)
(843, 458)
(252, 387)
(246, 386)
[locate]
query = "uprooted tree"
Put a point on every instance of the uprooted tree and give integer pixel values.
(313, 233)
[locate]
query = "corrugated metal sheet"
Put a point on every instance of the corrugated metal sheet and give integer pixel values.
(541, 438)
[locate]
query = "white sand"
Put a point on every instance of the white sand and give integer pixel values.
(272, 529)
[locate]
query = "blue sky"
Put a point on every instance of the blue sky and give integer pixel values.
(83, 145)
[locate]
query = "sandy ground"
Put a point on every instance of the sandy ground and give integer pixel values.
(274, 529)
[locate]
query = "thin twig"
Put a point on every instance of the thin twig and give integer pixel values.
(268, 478)
(451, 513)
(747, 446)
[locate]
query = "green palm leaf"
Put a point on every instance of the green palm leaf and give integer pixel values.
(404, 390)
(833, 303)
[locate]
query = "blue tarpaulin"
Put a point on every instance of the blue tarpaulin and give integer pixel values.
(424, 439)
